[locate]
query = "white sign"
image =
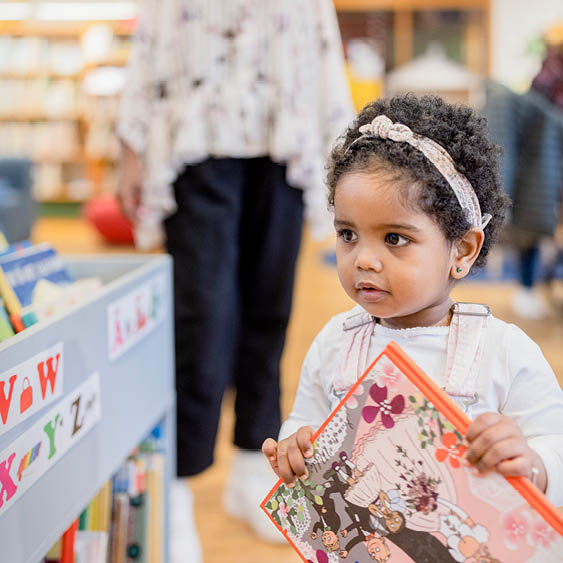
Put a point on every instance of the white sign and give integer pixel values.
(39, 448)
(134, 315)
(28, 387)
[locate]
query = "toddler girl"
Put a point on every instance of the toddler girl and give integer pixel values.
(417, 205)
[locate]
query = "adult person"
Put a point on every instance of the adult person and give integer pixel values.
(228, 112)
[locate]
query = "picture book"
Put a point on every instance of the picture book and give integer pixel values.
(386, 483)
(25, 267)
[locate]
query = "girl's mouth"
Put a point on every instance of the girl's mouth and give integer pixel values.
(372, 294)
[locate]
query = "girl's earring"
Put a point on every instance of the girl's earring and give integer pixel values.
(459, 270)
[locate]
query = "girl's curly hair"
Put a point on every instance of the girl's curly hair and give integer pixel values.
(459, 130)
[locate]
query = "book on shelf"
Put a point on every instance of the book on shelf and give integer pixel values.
(118, 531)
(124, 522)
(6, 329)
(67, 546)
(155, 494)
(385, 482)
(137, 529)
(63, 549)
(90, 547)
(37, 285)
(25, 267)
(97, 515)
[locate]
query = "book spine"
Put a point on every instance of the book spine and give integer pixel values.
(6, 330)
(155, 492)
(136, 533)
(67, 551)
(83, 519)
(120, 518)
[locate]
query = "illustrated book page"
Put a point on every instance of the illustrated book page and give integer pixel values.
(386, 483)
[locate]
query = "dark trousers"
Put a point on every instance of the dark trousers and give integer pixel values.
(235, 239)
(528, 265)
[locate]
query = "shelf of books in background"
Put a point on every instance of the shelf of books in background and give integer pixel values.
(35, 285)
(125, 520)
(59, 92)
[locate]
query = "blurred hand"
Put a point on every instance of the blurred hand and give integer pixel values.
(130, 183)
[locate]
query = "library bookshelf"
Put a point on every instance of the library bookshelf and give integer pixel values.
(136, 391)
(43, 69)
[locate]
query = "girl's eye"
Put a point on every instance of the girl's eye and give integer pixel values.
(393, 239)
(347, 235)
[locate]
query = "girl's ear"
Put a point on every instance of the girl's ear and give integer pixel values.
(466, 251)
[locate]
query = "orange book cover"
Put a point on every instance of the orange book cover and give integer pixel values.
(67, 551)
(385, 483)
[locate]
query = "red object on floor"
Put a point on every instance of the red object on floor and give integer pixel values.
(104, 213)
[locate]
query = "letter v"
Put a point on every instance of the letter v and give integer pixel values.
(5, 403)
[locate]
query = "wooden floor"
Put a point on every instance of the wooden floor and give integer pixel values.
(318, 296)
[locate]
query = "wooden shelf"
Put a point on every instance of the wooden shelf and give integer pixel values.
(398, 5)
(50, 74)
(117, 60)
(38, 117)
(34, 74)
(96, 170)
(61, 29)
(477, 32)
(78, 159)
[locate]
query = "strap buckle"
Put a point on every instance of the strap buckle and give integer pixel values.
(464, 401)
(457, 311)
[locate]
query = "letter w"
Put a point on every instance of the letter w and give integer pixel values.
(51, 375)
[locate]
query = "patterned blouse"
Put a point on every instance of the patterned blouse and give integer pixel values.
(234, 78)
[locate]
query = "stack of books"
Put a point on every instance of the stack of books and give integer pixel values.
(124, 522)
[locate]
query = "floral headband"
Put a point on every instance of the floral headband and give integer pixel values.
(383, 128)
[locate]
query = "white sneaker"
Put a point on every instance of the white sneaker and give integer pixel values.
(528, 304)
(251, 479)
(184, 541)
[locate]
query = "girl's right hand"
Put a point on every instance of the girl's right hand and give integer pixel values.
(287, 457)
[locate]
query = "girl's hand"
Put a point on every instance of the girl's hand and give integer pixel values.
(496, 443)
(287, 457)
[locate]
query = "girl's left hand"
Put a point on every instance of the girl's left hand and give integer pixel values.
(496, 443)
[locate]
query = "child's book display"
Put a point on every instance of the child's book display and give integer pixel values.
(24, 268)
(385, 483)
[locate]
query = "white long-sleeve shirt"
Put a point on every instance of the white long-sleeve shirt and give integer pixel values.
(514, 379)
(240, 79)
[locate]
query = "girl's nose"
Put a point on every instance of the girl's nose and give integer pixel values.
(367, 259)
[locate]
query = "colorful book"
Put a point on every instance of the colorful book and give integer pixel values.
(104, 508)
(63, 299)
(90, 547)
(83, 520)
(118, 532)
(155, 510)
(24, 268)
(137, 529)
(67, 548)
(386, 483)
(6, 248)
(54, 554)
(6, 329)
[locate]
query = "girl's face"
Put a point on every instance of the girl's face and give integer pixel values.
(392, 259)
